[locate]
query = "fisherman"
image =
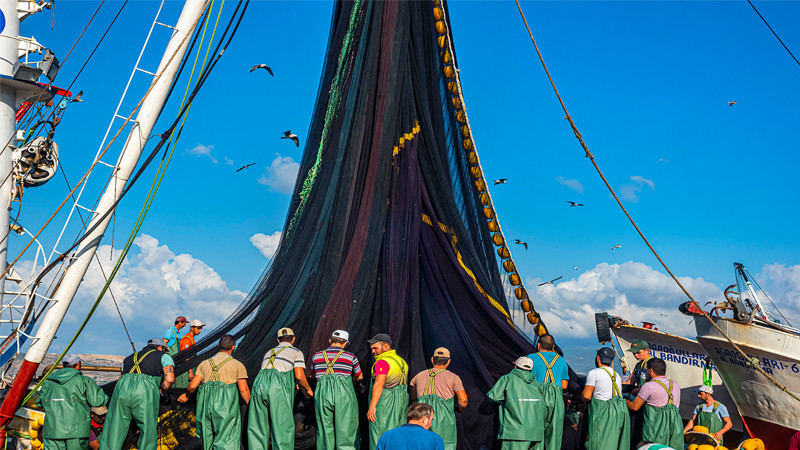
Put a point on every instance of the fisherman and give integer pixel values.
(522, 407)
(335, 399)
(661, 397)
(66, 396)
(136, 396)
(172, 337)
(416, 434)
(710, 414)
(551, 371)
(388, 398)
(609, 424)
(271, 419)
(217, 415)
(98, 415)
(438, 387)
(641, 351)
(187, 342)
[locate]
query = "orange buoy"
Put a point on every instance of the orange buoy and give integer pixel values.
(527, 305)
(440, 27)
(465, 131)
(493, 226)
(476, 172)
(480, 184)
(461, 117)
(485, 201)
(468, 144)
(472, 158)
(514, 278)
(521, 293)
(509, 266)
(441, 41)
(503, 252)
(489, 214)
(533, 318)
(438, 14)
(498, 240)
(449, 71)
(446, 57)
(452, 86)
(456, 102)
(541, 330)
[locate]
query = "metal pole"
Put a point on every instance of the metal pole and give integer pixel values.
(137, 138)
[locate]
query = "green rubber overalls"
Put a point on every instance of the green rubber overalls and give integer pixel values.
(554, 401)
(609, 422)
(218, 419)
(710, 420)
(336, 409)
(444, 416)
(391, 408)
(271, 408)
(135, 398)
(182, 380)
(663, 425)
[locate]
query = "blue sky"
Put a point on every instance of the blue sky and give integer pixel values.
(648, 84)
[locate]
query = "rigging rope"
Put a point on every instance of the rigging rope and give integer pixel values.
(638, 230)
(773, 32)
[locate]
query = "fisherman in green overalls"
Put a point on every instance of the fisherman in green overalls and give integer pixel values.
(388, 398)
(522, 408)
(710, 414)
(439, 387)
(551, 371)
(271, 418)
(136, 397)
(172, 337)
(641, 351)
(335, 402)
(609, 424)
(661, 397)
(217, 417)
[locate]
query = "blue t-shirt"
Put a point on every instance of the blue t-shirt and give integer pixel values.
(166, 360)
(560, 370)
(170, 334)
(410, 437)
(721, 411)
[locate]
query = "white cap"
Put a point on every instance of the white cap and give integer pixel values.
(706, 389)
(71, 359)
(341, 334)
(525, 363)
(197, 323)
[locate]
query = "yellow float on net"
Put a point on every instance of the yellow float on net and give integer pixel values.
(527, 305)
(438, 13)
(533, 318)
(503, 252)
(509, 266)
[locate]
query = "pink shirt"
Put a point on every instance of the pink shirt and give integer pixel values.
(654, 394)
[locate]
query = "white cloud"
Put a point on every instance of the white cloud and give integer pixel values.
(203, 150)
(663, 160)
(573, 184)
(630, 191)
(280, 174)
(782, 284)
(267, 244)
(633, 291)
(228, 161)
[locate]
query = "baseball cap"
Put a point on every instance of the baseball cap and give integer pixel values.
(285, 331)
(441, 352)
(639, 344)
(341, 334)
(197, 323)
(71, 359)
(606, 355)
(181, 319)
(523, 362)
(156, 342)
(380, 337)
(100, 410)
(706, 389)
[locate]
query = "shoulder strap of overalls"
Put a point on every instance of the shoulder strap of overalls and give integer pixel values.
(137, 361)
(669, 390)
(403, 376)
(430, 385)
(331, 362)
(548, 376)
(716, 405)
(272, 355)
(215, 368)
(175, 333)
(614, 389)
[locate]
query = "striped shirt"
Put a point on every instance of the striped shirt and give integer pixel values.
(345, 365)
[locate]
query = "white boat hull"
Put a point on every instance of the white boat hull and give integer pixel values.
(770, 414)
(685, 360)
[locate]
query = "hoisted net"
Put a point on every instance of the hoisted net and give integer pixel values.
(390, 228)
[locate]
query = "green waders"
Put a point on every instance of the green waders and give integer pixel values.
(391, 409)
(218, 419)
(710, 420)
(336, 410)
(506, 444)
(66, 444)
(609, 422)
(182, 380)
(444, 416)
(554, 400)
(663, 425)
(271, 409)
(135, 398)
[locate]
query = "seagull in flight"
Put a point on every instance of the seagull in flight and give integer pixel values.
(262, 66)
(573, 204)
(551, 281)
(77, 98)
(501, 181)
(517, 241)
(575, 267)
(289, 135)
(616, 246)
(663, 314)
(244, 167)
(732, 103)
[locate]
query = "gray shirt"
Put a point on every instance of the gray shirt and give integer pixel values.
(287, 358)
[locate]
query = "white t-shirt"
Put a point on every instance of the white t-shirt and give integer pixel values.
(601, 380)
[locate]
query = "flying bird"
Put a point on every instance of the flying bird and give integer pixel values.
(517, 241)
(289, 135)
(616, 246)
(663, 314)
(501, 181)
(732, 103)
(244, 167)
(551, 281)
(571, 204)
(575, 267)
(77, 98)
(262, 66)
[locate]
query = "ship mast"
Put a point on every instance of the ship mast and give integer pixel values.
(129, 156)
